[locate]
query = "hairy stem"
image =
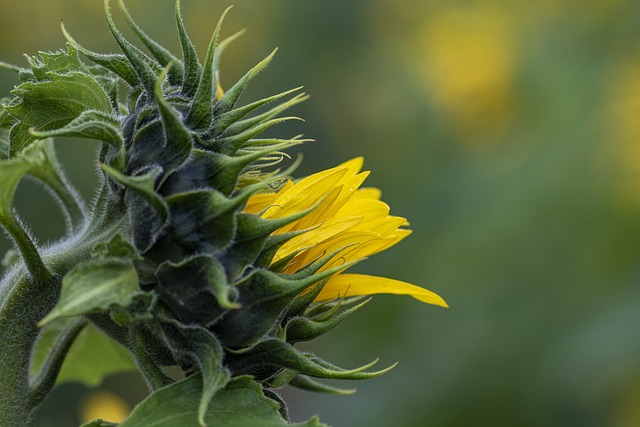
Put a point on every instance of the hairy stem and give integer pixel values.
(46, 378)
(30, 255)
(23, 303)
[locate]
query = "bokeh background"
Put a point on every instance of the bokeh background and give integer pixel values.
(507, 132)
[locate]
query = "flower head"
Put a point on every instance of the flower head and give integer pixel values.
(347, 222)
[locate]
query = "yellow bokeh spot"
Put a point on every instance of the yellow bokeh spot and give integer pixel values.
(104, 405)
(467, 61)
(620, 116)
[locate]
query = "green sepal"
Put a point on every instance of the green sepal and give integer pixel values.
(159, 52)
(251, 234)
(200, 114)
(192, 67)
(271, 246)
(246, 124)
(194, 345)
(52, 104)
(241, 403)
(195, 290)
(307, 383)
(304, 329)
(116, 247)
(139, 309)
(279, 354)
(231, 144)
(300, 304)
(89, 124)
(145, 68)
(223, 121)
(177, 138)
(202, 221)
(148, 212)
(117, 63)
(264, 296)
(229, 99)
(206, 169)
(95, 286)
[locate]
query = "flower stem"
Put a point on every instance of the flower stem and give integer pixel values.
(46, 378)
(30, 255)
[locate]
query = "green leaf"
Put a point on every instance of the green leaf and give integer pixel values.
(53, 103)
(89, 124)
(117, 63)
(92, 357)
(12, 170)
(95, 286)
(240, 404)
(194, 345)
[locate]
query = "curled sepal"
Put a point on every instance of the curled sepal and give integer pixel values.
(277, 353)
(148, 212)
(307, 383)
(304, 329)
(95, 286)
(195, 290)
(241, 403)
(117, 63)
(264, 296)
(89, 124)
(195, 346)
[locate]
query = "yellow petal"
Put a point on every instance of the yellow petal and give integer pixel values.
(259, 202)
(304, 194)
(368, 193)
(316, 236)
(351, 285)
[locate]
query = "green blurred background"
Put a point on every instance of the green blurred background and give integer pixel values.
(507, 132)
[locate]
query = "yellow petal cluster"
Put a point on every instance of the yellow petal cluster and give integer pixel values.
(346, 218)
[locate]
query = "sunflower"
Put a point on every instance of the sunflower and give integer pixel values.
(347, 221)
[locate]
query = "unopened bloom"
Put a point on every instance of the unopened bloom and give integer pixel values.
(344, 218)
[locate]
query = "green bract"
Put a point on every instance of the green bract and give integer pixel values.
(163, 261)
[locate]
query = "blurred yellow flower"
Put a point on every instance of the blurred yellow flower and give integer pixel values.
(104, 405)
(348, 219)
